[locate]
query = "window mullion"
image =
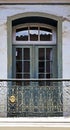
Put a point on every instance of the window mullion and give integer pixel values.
(39, 33)
(28, 33)
(45, 63)
(22, 62)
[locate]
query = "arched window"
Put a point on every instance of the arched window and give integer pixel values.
(34, 32)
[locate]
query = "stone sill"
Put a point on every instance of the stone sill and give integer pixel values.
(36, 122)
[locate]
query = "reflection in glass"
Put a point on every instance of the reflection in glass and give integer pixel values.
(22, 34)
(45, 34)
(33, 34)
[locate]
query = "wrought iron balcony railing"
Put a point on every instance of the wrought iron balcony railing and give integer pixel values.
(34, 97)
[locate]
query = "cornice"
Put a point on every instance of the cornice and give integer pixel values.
(59, 2)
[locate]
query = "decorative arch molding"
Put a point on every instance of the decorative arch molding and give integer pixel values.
(39, 14)
(12, 20)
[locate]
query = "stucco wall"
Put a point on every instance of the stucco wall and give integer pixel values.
(58, 10)
(66, 49)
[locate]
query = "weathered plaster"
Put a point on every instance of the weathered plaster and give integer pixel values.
(59, 10)
(66, 49)
(66, 99)
(3, 100)
(3, 51)
(3, 69)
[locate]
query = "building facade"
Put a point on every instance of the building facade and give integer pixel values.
(34, 55)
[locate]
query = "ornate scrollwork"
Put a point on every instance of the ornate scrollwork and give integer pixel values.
(12, 99)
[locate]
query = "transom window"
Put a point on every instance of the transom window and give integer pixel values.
(34, 32)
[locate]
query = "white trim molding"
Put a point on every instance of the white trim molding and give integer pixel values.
(35, 122)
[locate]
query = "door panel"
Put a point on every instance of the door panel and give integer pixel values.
(45, 63)
(22, 57)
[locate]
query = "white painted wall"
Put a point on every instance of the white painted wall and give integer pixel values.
(9, 10)
(66, 49)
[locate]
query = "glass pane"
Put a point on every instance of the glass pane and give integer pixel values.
(26, 66)
(47, 75)
(18, 66)
(41, 66)
(18, 53)
(41, 53)
(33, 34)
(48, 82)
(45, 34)
(48, 54)
(22, 34)
(41, 83)
(41, 75)
(48, 67)
(26, 76)
(19, 76)
(26, 53)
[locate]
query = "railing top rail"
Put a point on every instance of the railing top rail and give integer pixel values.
(35, 79)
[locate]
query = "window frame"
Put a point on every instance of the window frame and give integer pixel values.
(10, 20)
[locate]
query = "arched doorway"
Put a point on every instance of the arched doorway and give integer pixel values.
(34, 56)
